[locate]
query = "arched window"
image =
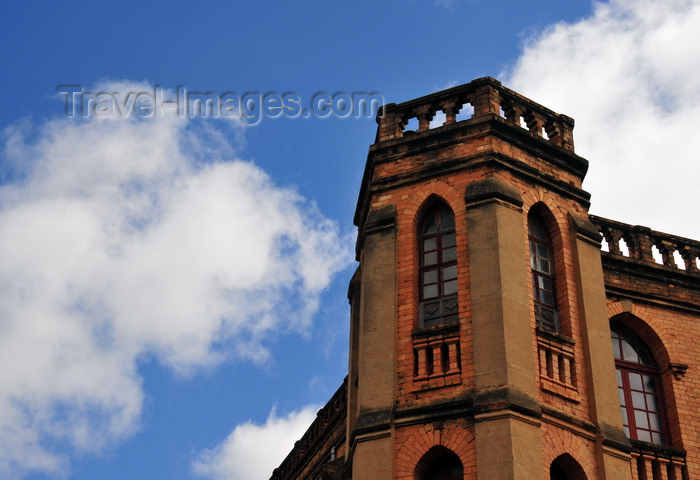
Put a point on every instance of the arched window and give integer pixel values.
(564, 467)
(438, 268)
(543, 284)
(447, 467)
(639, 387)
(439, 463)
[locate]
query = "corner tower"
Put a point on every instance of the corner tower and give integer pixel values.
(479, 343)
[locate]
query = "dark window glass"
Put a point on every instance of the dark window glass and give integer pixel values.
(438, 268)
(639, 387)
(447, 467)
(541, 263)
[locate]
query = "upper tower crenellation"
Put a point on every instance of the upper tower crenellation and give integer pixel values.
(487, 97)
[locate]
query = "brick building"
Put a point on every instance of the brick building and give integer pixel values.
(497, 330)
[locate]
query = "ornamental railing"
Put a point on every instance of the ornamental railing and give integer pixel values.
(436, 357)
(483, 96)
(328, 418)
(658, 464)
(556, 363)
(646, 245)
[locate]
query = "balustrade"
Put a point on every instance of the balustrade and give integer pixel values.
(658, 464)
(436, 358)
(487, 97)
(556, 364)
(641, 242)
(327, 419)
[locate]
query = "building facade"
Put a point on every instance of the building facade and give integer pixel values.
(497, 330)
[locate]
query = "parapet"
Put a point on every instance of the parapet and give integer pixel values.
(486, 96)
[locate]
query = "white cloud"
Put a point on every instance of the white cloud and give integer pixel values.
(124, 238)
(252, 451)
(630, 76)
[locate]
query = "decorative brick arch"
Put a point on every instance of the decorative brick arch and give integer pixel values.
(634, 321)
(438, 457)
(453, 437)
(421, 199)
(555, 216)
(558, 442)
(534, 196)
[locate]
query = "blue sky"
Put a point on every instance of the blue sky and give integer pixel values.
(173, 290)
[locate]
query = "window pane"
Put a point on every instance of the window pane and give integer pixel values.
(649, 383)
(652, 403)
(644, 358)
(621, 394)
(643, 435)
(655, 421)
(616, 348)
(430, 291)
(628, 352)
(623, 411)
(638, 400)
(449, 254)
(657, 438)
(450, 287)
(429, 225)
(448, 223)
(430, 277)
(545, 284)
(449, 240)
(430, 258)
(635, 381)
(543, 266)
(546, 298)
(448, 273)
(619, 377)
(429, 244)
(640, 418)
(537, 229)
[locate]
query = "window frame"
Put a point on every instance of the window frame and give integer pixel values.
(540, 278)
(440, 307)
(646, 370)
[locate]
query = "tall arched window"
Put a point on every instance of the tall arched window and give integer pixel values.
(438, 268)
(543, 284)
(639, 387)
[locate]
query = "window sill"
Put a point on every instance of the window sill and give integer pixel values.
(557, 337)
